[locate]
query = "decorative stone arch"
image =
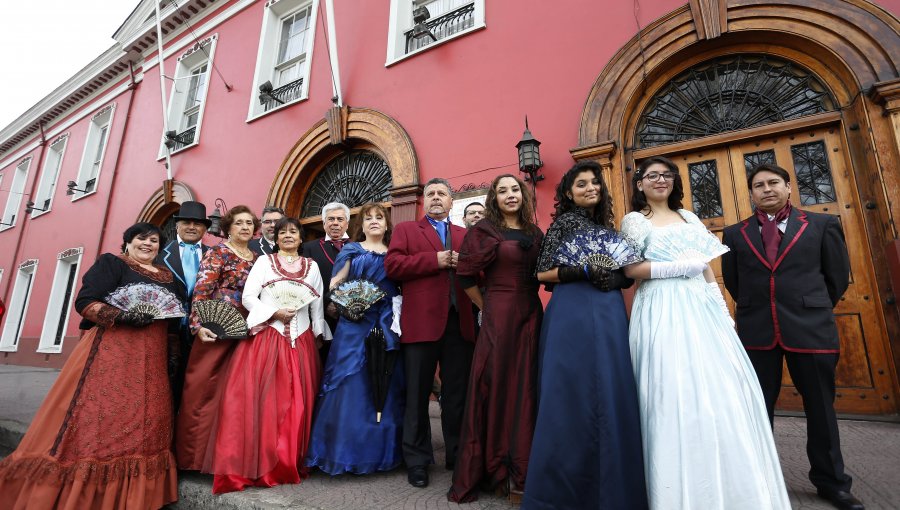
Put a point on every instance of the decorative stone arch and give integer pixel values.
(851, 46)
(158, 209)
(345, 128)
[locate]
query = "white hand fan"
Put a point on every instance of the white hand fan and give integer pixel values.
(292, 294)
(149, 298)
(686, 243)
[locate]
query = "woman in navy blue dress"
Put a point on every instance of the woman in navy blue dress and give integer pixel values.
(587, 444)
(346, 435)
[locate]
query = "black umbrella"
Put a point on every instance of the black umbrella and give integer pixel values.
(381, 367)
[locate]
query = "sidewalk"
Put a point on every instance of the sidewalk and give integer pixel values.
(871, 453)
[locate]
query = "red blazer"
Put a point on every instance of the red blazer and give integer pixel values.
(412, 261)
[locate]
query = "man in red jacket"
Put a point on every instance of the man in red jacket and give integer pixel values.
(437, 326)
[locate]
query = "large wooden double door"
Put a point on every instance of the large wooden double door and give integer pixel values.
(715, 187)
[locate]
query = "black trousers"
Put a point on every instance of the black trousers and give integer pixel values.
(420, 361)
(813, 376)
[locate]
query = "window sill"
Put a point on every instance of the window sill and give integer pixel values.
(457, 35)
(4, 228)
(9, 348)
(37, 214)
(162, 155)
(49, 350)
(82, 195)
(279, 108)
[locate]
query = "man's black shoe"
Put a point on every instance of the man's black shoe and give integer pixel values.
(417, 476)
(842, 499)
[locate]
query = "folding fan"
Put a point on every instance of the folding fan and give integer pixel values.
(221, 318)
(354, 297)
(688, 243)
(292, 294)
(597, 247)
(149, 298)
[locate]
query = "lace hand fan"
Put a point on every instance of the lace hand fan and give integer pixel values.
(148, 298)
(221, 318)
(599, 247)
(684, 244)
(292, 294)
(354, 297)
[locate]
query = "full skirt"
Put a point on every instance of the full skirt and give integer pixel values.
(102, 438)
(586, 452)
(707, 438)
(265, 412)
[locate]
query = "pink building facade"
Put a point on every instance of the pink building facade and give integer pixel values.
(251, 118)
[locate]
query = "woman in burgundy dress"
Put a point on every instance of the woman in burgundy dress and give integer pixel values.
(499, 419)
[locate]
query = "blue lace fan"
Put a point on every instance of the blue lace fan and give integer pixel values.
(354, 297)
(598, 246)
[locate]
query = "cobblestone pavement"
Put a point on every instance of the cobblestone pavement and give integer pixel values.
(871, 453)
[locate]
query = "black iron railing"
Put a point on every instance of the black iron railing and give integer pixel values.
(46, 205)
(281, 95)
(443, 26)
(184, 138)
(90, 185)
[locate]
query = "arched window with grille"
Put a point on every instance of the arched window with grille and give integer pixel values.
(353, 178)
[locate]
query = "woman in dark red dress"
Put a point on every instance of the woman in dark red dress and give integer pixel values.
(499, 419)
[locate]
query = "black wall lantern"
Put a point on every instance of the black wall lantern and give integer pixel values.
(530, 156)
(215, 217)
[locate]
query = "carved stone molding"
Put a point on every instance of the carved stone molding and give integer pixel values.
(887, 94)
(336, 118)
(60, 139)
(28, 264)
(103, 111)
(71, 252)
(157, 209)
(710, 18)
(198, 46)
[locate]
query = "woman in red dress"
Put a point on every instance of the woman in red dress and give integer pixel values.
(498, 424)
(265, 413)
(102, 438)
(222, 274)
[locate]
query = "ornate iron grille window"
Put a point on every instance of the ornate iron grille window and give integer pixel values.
(729, 93)
(754, 159)
(705, 195)
(168, 229)
(353, 179)
(813, 174)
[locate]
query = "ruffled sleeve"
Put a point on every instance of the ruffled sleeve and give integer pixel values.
(260, 311)
(561, 228)
(636, 228)
(349, 252)
(690, 217)
(101, 279)
(478, 251)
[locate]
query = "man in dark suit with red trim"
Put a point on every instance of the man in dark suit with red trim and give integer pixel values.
(787, 270)
(437, 326)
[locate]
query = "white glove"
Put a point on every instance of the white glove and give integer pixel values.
(687, 268)
(396, 305)
(716, 294)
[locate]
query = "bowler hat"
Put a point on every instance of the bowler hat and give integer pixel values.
(194, 211)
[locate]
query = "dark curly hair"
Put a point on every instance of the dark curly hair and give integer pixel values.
(228, 219)
(359, 235)
(283, 223)
(639, 200)
(603, 213)
(142, 230)
(492, 209)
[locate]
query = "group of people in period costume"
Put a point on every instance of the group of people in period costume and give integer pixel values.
(579, 405)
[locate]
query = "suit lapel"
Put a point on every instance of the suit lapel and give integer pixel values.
(173, 262)
(795, 227)
(750, 232)
(431, 234)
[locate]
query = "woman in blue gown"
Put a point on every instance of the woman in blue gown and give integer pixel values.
(346, 435)
(587, 444)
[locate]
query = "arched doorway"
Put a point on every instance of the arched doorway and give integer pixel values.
(160, 209)
(367, 155)
(771, 84)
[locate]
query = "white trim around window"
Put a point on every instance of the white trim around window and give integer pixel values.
(18, 306)
(188, 99)
(461, 17)
(50, 175)
(59, 306)
(94, 152)
(284, 58)
(14, 195)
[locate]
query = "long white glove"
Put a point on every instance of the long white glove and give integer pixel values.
(687, 268)
(716, 294)
(396, 306)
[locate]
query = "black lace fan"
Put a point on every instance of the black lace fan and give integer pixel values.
(221, 318)
(354, 297)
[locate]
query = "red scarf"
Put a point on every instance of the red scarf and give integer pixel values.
(771, 235)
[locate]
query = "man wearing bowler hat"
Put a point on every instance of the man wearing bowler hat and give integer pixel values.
(182, 256)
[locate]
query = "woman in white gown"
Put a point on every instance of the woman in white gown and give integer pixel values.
(706, 435)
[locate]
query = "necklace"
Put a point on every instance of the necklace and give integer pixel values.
(245, 254)
(287, 257)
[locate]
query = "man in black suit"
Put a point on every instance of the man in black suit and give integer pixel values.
(786, 271)
(265, 244)
(182, 256)
(336, 219)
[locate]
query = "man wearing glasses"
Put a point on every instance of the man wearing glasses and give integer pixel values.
(265, 245)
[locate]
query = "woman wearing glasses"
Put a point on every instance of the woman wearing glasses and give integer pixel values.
(707, 439)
